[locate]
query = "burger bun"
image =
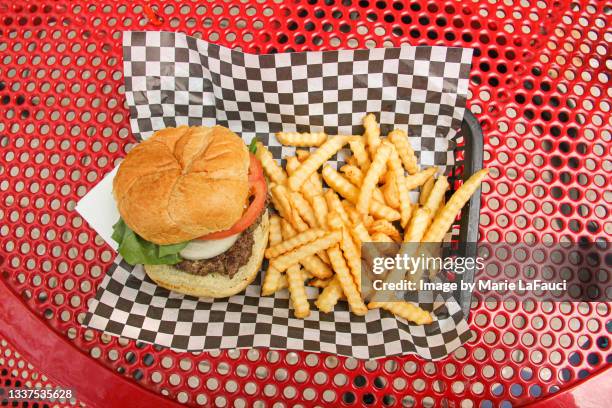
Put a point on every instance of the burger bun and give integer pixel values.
(183, 183)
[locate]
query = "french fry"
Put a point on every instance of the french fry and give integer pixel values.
(381, 237)
(287, 230)
(272, 281)
(371, 133)
(295, 256)
(444, 220)
(282, 283)
(360, 154)
(301, 139)
(300, 224)
(405, 310)
(297, 292)
(334, 205)
(302, 155)
(400, 139)
(413, 208)
(379, 196)
(330, 296)
(351, 161)
(414, 233)
(360, 234)
(303, 208)
(380, 210)
(295, 276)
(334, 221)
(309, 189)
(390, 191)
(316, 267)
(312, 264)
(418, 225)
(436, 195)
(282, 202)
(386, 228)
(275, 235)
(352, 254)
(272, 277)
(340, 184)
(319, 206)
(274, 172)
(405, 205)
(347, 190)
(292, 165)
(352, 174)
(343, 275)
(425, 190)
(317, 240)
(280, 199)
(324, 258)
(415, 180)
(371, 178)
(441, 207)
(292, 242)
(410, 250)
(312, 187)
(319, 283)
(353, 215)
(355, 176)
(316, 160)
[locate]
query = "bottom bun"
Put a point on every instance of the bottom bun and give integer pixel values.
(214, 285)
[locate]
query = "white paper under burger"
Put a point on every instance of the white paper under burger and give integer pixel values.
(172, 79)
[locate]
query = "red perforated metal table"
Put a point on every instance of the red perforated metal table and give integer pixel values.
(539, 87)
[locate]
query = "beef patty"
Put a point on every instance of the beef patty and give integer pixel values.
(228, 262)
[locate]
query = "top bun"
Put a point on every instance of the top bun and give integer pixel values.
(183, 183)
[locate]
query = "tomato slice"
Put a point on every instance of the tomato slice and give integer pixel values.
(258, 190)
(255, 169)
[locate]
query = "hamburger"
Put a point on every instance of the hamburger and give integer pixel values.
(193, 210)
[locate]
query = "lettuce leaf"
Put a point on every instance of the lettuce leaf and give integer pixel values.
(253, 146)
(136, 250)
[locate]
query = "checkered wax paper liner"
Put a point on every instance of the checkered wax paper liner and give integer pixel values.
(172, 79)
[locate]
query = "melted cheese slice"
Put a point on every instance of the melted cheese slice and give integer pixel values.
(206, 249)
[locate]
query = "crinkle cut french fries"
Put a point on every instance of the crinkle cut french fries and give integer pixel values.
(315, 240)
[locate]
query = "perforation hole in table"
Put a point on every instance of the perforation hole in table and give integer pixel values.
(539, 87)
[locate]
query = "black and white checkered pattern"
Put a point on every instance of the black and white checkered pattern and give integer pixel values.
(172, 79)
(129, 304)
